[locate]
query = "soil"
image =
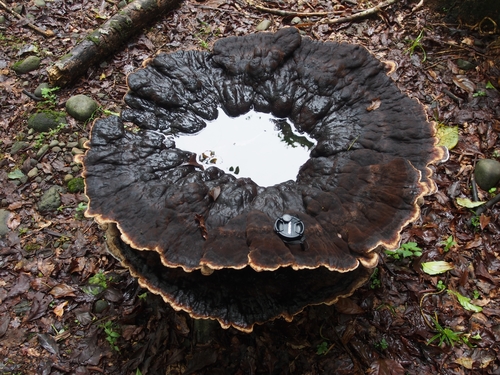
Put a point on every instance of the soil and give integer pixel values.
(68, 307)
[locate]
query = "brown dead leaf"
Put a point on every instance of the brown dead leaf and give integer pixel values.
(59, 309)
(45, 267)
(62, 290)
(484, 221)
(214, 193)
(201, 224)
(347, 306)
(386, 367)
(375, 105)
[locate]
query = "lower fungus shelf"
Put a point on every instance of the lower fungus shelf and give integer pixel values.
(237, 298)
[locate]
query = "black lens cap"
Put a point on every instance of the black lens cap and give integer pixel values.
(289, 228)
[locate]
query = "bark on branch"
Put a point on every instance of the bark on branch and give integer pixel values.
(107, 39)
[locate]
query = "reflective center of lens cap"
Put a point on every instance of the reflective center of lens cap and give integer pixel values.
(289, 228)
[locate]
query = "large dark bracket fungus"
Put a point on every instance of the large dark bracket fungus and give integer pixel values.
(177, 222)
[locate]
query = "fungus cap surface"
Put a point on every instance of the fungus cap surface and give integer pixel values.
(357, 191)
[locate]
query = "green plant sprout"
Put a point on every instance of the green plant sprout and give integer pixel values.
(382, 344)
(97, 283)
(324, 347)
(479, 93)
(476, 294)
(375, 280)
(448, 244)
(50, 99)
(444, 335)
(440, 285)
(409, 249)
(417, 43)
(112, 335)
(45, 135)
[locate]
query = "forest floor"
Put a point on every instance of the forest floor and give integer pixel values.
(68, 307)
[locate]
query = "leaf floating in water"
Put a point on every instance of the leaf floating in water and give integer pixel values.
(201, 224)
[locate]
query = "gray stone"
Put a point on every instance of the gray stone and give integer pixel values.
(81, 107)
(39, 3)
(2, 19)
(27, 65)
(53, 143)
(4, 217)
(51, 199)
(45, 121)
(100, 306)
(264, 25)
(42, 151)
(465, 65)
(17, 146)
(33, 172)
(68, 177)
(56, 149)
(76, 151)
(38, 90)
(81, 142)
(72, 144)
(295, 20)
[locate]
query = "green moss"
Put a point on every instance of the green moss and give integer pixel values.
(76, 185)
(94, 37)
(32, 247)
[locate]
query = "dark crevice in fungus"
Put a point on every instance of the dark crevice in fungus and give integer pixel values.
(356, 192)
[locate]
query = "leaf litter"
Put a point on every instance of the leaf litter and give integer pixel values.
(47, 258)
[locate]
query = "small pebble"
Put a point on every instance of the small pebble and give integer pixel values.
(33, 172)
(72, 144)
(264, 25)
(53, 143)
(42, 151)
(56, 149)
(76, 151)
(68, 177)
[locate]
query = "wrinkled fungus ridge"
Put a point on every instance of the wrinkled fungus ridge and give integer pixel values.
(356, 192)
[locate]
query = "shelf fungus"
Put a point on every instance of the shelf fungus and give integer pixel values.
(223, 247)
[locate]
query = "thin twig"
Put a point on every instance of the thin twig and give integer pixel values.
(289, 13)
(357, 16)
(46, 33)
(488, 204)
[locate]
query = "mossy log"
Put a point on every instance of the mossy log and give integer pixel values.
(108, 38)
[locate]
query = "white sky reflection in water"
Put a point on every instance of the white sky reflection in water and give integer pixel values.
(253, 143)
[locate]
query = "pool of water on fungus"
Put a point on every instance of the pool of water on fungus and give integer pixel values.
(258, 145)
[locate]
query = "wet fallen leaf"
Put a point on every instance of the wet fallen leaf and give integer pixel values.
(464, 83)
(48, 343)
(386, 367)
(448, 136)
(465, 302)
(59, 309)
(467, 203)
(374, 105)
(62, 290)
(201, 224)
(437, 267)
(465, 361)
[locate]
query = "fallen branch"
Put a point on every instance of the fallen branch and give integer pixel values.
(481, 209)
(45, 33)
(109, 37)
(289, 13)
(356, 16)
